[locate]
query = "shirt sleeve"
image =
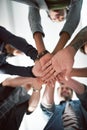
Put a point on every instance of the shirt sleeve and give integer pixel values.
(17, 42)
(35, 20)
(73, 17)
(48, 111)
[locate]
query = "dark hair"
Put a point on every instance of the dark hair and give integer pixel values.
(82, 49)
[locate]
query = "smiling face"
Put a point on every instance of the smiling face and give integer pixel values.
(65, 92)
(58, 15)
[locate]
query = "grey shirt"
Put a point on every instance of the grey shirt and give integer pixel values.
(72, 20)
(70, 25)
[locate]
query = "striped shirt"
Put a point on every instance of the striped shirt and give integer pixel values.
(70, 120)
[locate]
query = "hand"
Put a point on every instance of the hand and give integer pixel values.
(35, 97)
(37, 83)
(63, 61)
(47, 68)
(43, 60)
(48, 72)
(37, 69)
(51, 83)
(73, 84)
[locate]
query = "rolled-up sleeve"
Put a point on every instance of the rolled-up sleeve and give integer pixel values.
(35, 20)
(17, 42)
(73, 17)
(48, 111)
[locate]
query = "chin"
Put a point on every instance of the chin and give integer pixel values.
(66, 97)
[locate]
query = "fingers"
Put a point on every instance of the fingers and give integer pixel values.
(51, 83)
(48, 75)
(46, 71)
(46, 65)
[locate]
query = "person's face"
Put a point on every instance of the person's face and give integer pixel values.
(57, 15)
(65, 92)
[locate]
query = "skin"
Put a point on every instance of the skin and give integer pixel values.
(27, 83)
(12, 50)
(74, 85)
(62, 62)
(40, 45)
(57, 15)
(64, 91)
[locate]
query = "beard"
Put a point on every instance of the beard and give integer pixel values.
(66, 96)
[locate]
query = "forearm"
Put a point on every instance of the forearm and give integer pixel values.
(36, 28)
(64, 37)
(18, 81)
(48, 97)
(74, 12)
(79, 40)
(79, 72)
(39, 42)
(25, 47)
(9, 38)
(34, 100)
(76, 86)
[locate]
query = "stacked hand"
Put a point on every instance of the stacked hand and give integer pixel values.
(44, 73)
(60, 64)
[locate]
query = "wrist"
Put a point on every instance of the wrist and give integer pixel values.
(36, 90)
(40, 55)
(77, 45)
(71, 50)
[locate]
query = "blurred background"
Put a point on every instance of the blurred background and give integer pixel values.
(14, 17)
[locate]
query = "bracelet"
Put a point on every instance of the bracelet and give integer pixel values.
(42, 54)
(36, 90)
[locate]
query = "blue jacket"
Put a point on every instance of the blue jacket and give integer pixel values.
(80, 108)
(55, 122)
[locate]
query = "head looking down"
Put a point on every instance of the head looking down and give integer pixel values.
(58, 9)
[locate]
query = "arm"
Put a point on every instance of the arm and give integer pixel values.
(47, 102)
(79, 40)
(36, 83)
(62, 61)
(9, 38)
(64, 37)
(19, 81)
(66, 56)
(33, 102)
(70, 24)
(36, 28)
(79, 72)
